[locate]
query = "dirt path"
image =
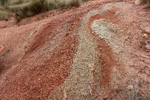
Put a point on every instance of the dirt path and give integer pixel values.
(88, 53)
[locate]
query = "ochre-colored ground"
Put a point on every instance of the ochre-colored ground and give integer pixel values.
(88, 53)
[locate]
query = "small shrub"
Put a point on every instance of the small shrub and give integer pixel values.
(75, 3)
(145, 1)
(4, 15)
(135, 92)
(36, 7)
(51, 6)
(72, 3)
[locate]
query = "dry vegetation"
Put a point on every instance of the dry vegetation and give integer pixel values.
(26, 8)
(133, 93)
(145, 1)
(4, 15)
(38, 6)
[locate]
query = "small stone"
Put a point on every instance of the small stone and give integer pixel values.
(116, 88)
(92, 66)
(145, 36)
(147, 30)
(130, 87)
(39, 79)
(134, 24)
(117, 13)
(1, 47)
(147, 47)
(137, 2)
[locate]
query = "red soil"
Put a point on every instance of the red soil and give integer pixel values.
(107, 57)
(32, 71)
(42, 77)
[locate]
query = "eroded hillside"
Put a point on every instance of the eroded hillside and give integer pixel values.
(93, 52)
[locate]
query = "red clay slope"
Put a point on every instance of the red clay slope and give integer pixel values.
(66, 57)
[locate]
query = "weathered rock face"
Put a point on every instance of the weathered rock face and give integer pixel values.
(84, 54)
